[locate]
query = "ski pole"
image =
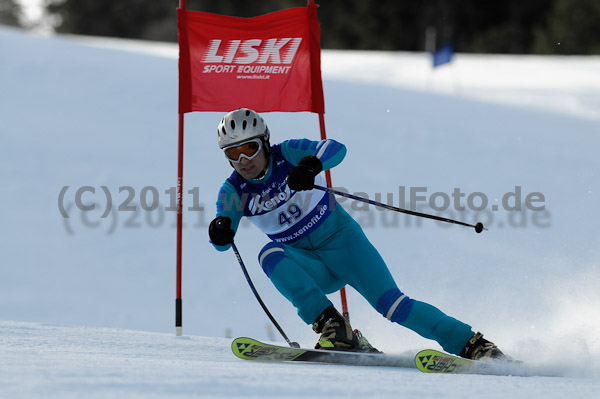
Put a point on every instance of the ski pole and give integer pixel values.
(478, 227)
(241, 262)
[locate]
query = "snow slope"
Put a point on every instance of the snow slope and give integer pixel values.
(49, 361)
(102, 113)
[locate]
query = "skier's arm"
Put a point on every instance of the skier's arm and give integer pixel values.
(329, 152)
(229, 205)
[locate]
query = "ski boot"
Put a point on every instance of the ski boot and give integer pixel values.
(478, 348)
(364, 345)
(336, 333)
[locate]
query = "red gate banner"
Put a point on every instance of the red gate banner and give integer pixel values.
(266, 63)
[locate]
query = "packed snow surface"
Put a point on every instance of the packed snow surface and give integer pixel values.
(50, 361)
(87, 301)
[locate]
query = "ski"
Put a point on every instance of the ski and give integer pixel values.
(427, 361)
(251, 349)
(433, 361)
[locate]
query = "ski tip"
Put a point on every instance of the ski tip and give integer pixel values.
(240, 345)
(433, 361)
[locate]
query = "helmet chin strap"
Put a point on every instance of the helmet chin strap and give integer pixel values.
(263, 173)
(266, 169)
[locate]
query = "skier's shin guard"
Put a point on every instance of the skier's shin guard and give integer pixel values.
(430, 322)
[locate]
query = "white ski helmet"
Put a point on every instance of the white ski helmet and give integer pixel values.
(241, 125)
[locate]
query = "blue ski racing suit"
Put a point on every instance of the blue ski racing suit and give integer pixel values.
(317, 248)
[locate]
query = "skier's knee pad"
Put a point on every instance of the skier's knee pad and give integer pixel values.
(394, 305)
(270, 255)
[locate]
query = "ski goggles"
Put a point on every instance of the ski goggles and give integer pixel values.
(248, 149)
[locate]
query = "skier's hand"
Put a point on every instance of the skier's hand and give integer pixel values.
(220, 231)
(302, 177)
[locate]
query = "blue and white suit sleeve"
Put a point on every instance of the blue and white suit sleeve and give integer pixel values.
(329, 152)
(229, 204)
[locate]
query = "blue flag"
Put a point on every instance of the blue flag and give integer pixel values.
(443, 55)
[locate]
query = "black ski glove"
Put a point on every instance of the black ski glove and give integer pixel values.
(302, 177)
(220, 231)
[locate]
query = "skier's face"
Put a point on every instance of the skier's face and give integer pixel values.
(251, 168)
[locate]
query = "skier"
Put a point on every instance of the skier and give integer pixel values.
(316, 247)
